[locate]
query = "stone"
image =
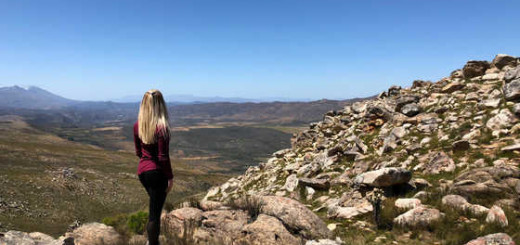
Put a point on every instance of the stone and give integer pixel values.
(419, 217)
(337, 212)
(515, 147)
(318, 184)
(497, 215)
(490, 103)
(95, 234)
(516, 109)
(176, 221)
(504, 119)
(410, 110)
(325, 242)
(452, 87)
(512, 74)
(267, 230)
(295, 216)
(493, 239)
(502, 60)
(291, 183)
(491, 76)
(384, 177)
(439, 162)
(407, 203)
(405, 100)
(512, 90)
(455, 201)
(475, 68)
(23, 238)
(460, 145)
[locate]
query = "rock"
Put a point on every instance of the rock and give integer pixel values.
(452, 87)
(338, 212)
(394, 90)
(23, 238)
(210, 205)
(455, 201)
(483, 181)
(384, 177)
(504, 119)
(456, 74)
(439, 162)
(95, 234)
(419, 217)
(516, 109)
(512, 74)
(319, 184)
(460, 145)
(475, 68)
(497, 215)
(512, 90)
(291, 183)
(325, 242)
(407, 203)
(515, 147)
(267, 230)
(176, 221)
(295, 216)
(491, 103)
(491, 76)
(493, 239)
(220, 227)
(410, 110)
(502, 60)
(359, 107)
(405, 100)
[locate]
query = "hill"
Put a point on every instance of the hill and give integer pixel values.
(32, 98)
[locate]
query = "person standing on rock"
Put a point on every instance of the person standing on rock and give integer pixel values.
(152, 139)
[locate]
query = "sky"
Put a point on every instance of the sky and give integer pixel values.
(335, 49)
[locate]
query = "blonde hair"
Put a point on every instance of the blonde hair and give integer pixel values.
(153, 114)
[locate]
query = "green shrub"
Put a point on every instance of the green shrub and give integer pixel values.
(137, 222)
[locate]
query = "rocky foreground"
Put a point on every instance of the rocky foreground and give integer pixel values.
(436, 163)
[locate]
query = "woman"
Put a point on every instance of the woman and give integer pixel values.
(152, 139)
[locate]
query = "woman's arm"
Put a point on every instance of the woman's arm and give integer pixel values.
(164, 155)
(137, 142)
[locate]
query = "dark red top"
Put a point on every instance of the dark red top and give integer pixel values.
(153, 156)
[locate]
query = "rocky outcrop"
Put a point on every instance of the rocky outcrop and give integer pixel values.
(493, 239)
(419, 217)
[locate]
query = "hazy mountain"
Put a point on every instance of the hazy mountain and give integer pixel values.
(193, 99)
(31, 98)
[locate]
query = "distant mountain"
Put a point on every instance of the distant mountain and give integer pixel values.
(192, 99)
(31, 98)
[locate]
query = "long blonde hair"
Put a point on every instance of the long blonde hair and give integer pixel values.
(153, 114)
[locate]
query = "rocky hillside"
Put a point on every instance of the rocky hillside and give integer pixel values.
(435, 163)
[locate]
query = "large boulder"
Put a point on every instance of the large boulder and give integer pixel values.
(23, 238)
(475, 68)
(319, 184)
(419, 217)
(267, 230)
(512, 90)
(493, 239)
(485, 181)
(411, 110)
(95, 234)
(384, 177)
(220, 227)
(502, 60)
(504, 119)
(295, 216)
(512, 74)
(497, 215)
(177, 220)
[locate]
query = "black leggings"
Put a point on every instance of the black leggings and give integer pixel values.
(155, 184)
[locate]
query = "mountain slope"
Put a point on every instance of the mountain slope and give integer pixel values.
(32, 97)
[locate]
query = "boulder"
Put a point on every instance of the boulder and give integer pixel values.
(325, 242)
(515, 147)
(384, 177)
(504, 119)
(439, 162)
(512, 74)
(512, 90)
(405, 100)
(516, 109)
(291, 183)
(23, 238)
(475, 68)
(95, 234)
(452, 87)
(319, 184)
(267, 230)
(497, 215)
(502, 60)
(177, 220)
(455, 201)
(295, 216)
(493, 239)
(460, 145)
(419, 217)
(407, 203)
(410, 110)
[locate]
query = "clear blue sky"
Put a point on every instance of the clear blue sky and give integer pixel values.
(96, 50)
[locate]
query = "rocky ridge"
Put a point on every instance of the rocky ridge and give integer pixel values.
(435, 163)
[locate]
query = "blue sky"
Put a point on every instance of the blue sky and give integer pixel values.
(98, 50)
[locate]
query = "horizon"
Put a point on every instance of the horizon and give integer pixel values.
(290, 49)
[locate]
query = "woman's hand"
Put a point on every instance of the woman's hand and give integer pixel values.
(170, 185)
